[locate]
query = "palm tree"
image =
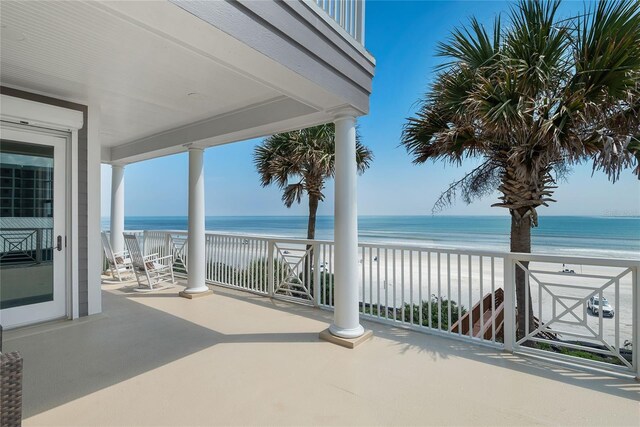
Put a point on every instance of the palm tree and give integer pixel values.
(530, 100)
(300, 162)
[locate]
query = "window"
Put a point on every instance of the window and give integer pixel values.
(26, 180)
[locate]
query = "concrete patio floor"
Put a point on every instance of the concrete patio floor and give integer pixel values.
(239, 359)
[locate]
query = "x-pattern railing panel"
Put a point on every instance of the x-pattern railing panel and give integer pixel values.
(293, 271)
(18, 242)
(567, 314)
(178, 245)
(19, 246)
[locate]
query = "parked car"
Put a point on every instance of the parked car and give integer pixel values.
(567, 270)
(323, 267)
(595, 306)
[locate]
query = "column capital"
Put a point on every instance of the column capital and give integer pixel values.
(343, 113)
(193, 147)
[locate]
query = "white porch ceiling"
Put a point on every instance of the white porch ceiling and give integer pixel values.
(143, 83)
(161, 76)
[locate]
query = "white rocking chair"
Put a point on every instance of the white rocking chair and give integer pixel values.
(152, 267)
(119, 262)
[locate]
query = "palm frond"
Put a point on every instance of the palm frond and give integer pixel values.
(305, 156)
(476, 184)
(364, 156)
(541, 94)
(471, 45)
(607, 49)
(292, 193)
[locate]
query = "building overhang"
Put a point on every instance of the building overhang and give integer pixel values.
(165, 74)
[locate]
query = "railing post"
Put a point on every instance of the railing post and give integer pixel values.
(270, 266)
(635, 324)
(144, 243)
(167, 245)
(317, 286)
(38, 245)
(509, 304)
(360, 22)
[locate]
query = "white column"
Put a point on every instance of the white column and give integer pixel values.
(196, 242)
(117, 208)
(346, 321)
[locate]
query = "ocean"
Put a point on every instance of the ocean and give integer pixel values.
(617, 237)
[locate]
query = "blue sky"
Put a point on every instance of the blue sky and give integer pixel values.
(402, 36)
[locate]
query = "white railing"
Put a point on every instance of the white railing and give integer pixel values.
(348, 14)
(467, 295)
(570, 317)
(19, 246)
(446, 292)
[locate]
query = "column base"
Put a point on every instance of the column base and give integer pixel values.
(326, 335)
(346, 333)
(192, 295)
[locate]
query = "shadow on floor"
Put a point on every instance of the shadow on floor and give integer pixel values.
(443, 348)
(67, 360)
(81, 357)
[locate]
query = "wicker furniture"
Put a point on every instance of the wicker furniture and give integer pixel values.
(10, 389)
(149, 269)
(118, 262)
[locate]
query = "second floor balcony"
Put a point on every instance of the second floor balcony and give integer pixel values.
(348, 14)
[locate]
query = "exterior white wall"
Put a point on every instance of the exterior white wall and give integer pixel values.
(94, 248)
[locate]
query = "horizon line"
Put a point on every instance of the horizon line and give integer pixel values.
(374, 215)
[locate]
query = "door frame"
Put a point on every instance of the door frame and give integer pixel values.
(51, 118)
(63, 152)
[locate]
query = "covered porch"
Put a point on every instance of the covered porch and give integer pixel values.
(154, 79)
(238, 358)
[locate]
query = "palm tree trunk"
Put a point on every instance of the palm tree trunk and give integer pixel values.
(521, 242)
(311, 234)
(313, 209)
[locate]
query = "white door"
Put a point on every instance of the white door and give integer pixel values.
(32, 225)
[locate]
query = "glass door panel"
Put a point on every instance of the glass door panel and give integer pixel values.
(32, 224)
(26, 243)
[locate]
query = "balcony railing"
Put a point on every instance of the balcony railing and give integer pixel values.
(348, 14)
(465, 295)
(20, 246)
